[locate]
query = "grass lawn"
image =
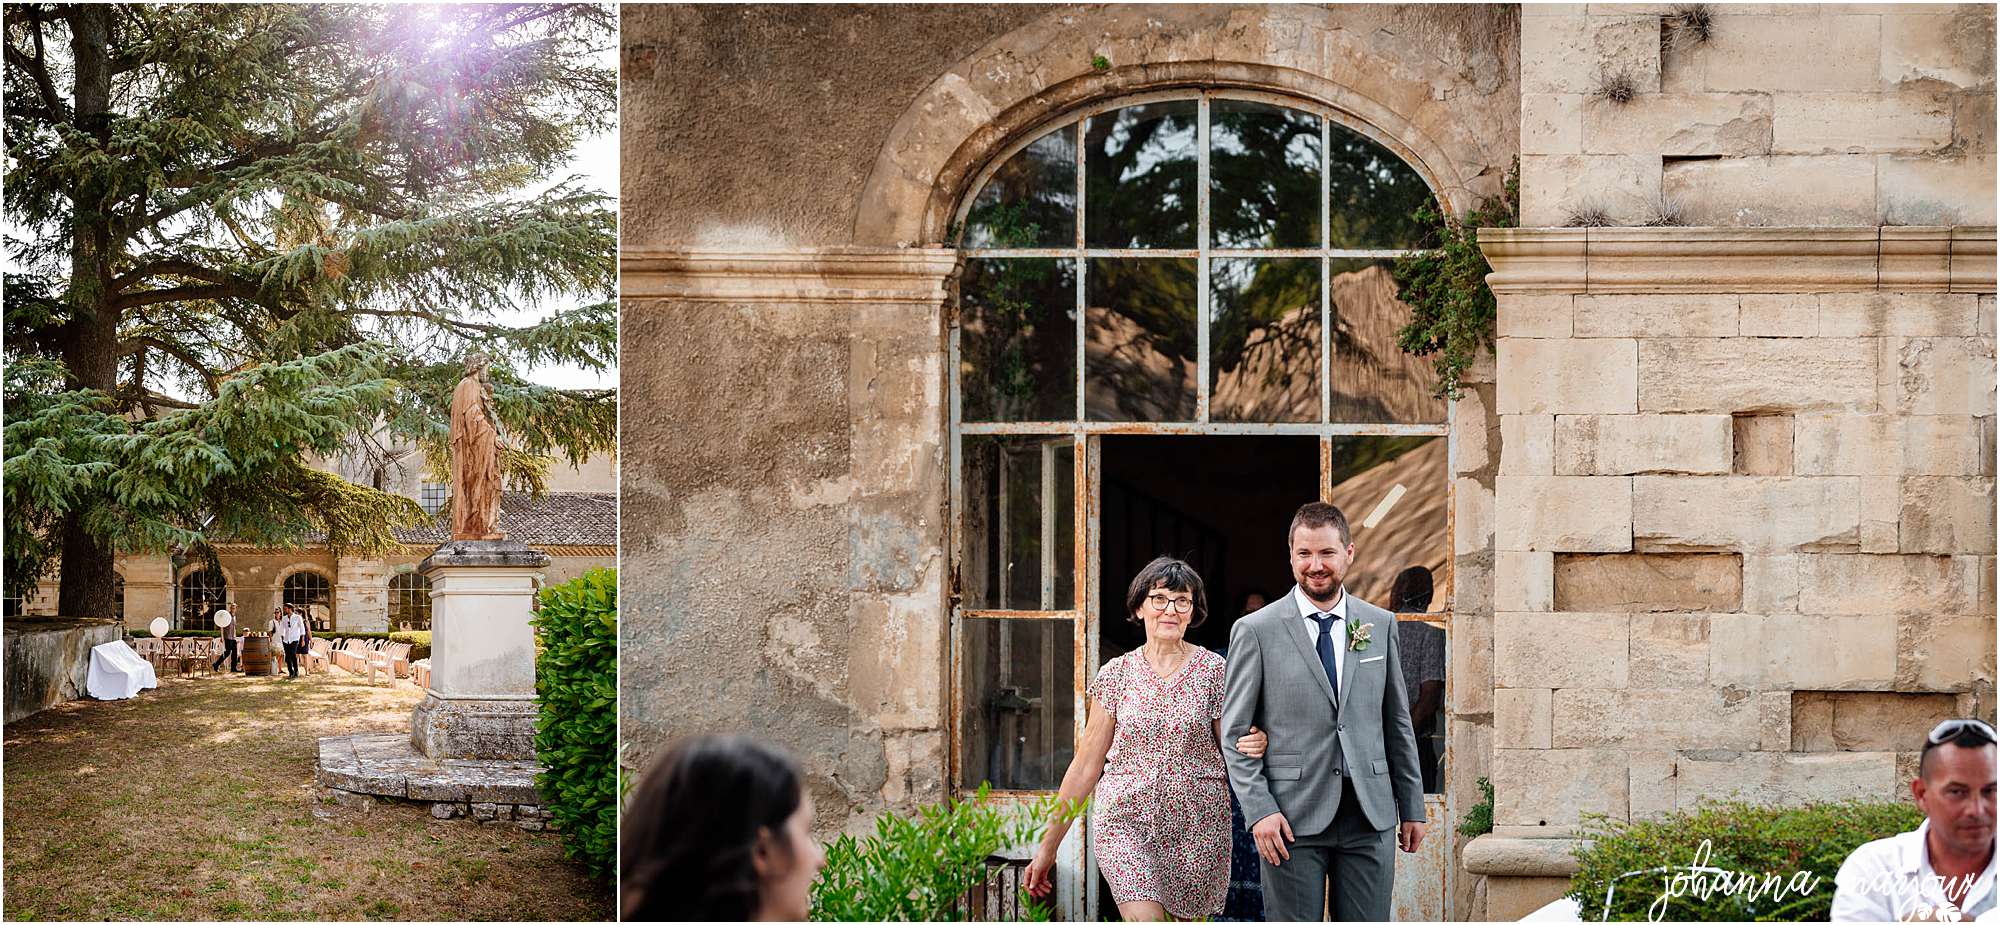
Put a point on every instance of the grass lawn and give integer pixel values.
(196, 801)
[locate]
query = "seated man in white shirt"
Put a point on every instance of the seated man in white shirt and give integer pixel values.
(1943, 871)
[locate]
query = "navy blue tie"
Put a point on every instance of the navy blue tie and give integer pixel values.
(1326, 650)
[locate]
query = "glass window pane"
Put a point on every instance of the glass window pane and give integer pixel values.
(1420, 646)
(1020, 524)
(1373, 194)
(1141, 341)
(1374, 381)
(1392, 490)
(1017, 340)
(1063, 511)
(1140, 170)
(1263, 175)
(1031, 200)
(1263, 339)
(1019, 712)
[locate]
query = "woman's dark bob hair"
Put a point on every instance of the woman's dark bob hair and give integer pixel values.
(692, 828)
(1170, 574)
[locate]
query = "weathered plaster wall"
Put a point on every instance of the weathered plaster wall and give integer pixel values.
(1790, 114)
(782, 529)
(776, 127)
(759, 124)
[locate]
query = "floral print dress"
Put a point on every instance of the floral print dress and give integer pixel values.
(1160, 819)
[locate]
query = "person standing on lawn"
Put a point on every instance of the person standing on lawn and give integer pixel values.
(292, 634)
(228, 638)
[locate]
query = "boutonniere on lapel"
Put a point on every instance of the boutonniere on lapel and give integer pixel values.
(1357, 635)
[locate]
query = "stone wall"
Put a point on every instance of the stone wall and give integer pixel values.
(1789, 114)
(782, 527)
(48, 661)
(1745, 530)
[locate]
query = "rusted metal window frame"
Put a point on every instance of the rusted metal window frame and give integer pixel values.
(1084, 615)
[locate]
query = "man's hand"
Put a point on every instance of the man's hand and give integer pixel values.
(1409, 836)
(1272, 833)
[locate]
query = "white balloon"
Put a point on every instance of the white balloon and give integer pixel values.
(159, 627)
(224, 619)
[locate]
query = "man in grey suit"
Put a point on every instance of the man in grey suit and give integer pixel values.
(1317, 670)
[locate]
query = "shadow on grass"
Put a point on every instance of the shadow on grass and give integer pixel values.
(197, 801)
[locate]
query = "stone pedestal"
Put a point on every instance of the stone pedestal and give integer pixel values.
(481, 702)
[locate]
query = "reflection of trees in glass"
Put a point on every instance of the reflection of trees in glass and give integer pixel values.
(1263, 171)
(1017, 339)
(1140, 170)
(1374, 380)
(1142, 350)
(1264, 337)
(1366, 470)
(1031, 199)
(1374, 194)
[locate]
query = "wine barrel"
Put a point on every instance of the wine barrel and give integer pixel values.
(257, 655)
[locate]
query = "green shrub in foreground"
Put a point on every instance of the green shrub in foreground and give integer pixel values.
(1781, 859)
(918, 869)
(576, 735)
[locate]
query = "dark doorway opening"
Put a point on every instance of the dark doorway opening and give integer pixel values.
(1219, 502)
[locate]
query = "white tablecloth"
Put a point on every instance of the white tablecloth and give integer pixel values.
(117, 672)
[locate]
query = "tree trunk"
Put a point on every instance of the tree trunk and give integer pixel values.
(90, 346)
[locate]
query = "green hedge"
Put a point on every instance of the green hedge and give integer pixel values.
(419, 640)
(1791, 853)
(576, 736)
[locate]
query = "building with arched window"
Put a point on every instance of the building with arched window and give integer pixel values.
(939, 321)
(574, 522)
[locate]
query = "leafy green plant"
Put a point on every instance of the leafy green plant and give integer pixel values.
(1781, 860)
(1452, 309)
(922, 868)
(419, 640)
(576, 735)
(1479, 819)
(1100, 63)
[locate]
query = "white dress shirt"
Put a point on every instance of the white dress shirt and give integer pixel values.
(291, 628)
(1310, 614)
(1889, 879)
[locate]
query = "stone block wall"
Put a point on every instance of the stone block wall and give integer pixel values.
(1745, 545)
(1789, 114)
(47, 661)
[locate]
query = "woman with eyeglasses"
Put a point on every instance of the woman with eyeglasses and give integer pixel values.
(1150, 753)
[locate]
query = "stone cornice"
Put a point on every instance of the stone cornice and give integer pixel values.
(1894, 258)
(831, 274)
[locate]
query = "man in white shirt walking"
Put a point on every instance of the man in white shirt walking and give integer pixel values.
(1943, 871)
(226, 619)
(292, 633)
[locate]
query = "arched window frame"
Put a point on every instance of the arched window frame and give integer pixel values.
(196, 597)
(290, 593)
(1067, 443)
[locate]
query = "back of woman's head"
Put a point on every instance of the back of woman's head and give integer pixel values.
(691, 830)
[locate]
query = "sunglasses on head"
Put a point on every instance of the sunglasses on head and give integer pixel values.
(1953, 728)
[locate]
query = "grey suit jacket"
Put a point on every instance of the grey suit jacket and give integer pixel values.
(1275, 682)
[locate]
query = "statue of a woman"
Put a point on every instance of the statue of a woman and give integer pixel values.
(475, 456)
